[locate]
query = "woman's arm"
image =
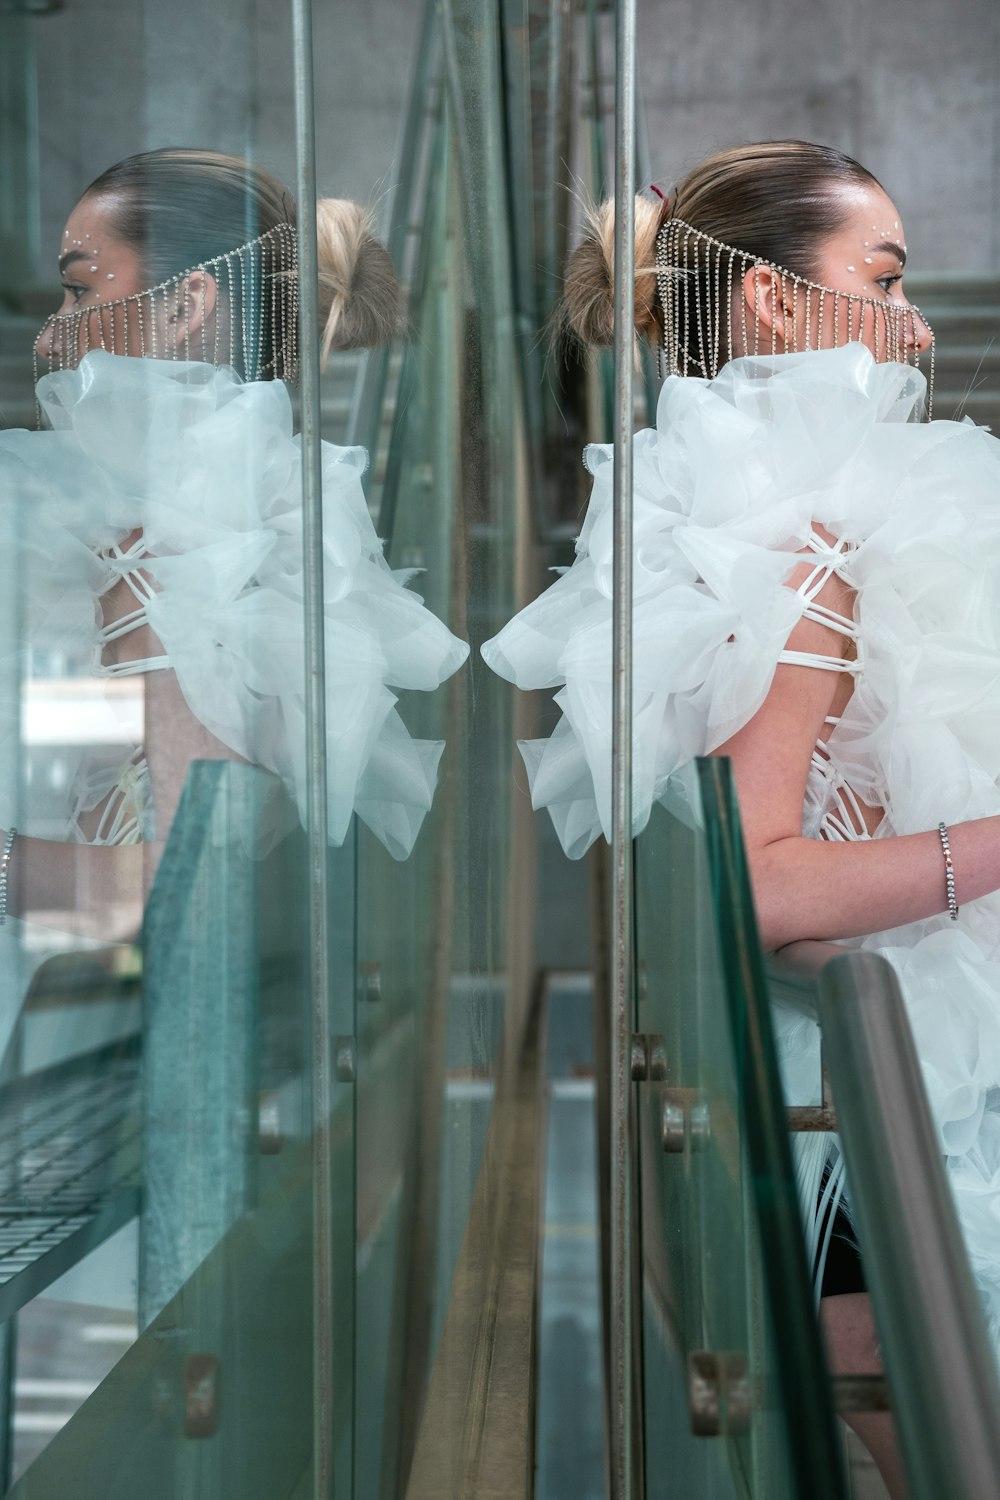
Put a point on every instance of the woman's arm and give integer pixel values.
(814, 888)
(99, 890)
(96, 889)
(91, 889)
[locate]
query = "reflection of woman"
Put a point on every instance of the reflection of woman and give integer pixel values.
(817, 596)
(168, 489)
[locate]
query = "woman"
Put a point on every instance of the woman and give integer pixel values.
(158, 528)
(817, 597)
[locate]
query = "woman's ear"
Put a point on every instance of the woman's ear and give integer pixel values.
(194, 311)
(765, 309)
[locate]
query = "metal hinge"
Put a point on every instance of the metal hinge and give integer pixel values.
(684, 1121)
(720, 1400)
(648, 1059)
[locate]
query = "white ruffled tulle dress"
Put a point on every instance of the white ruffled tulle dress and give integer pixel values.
(728, 490)
(185, 481)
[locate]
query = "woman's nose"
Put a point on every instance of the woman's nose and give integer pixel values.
(45, 342)
(919, 335)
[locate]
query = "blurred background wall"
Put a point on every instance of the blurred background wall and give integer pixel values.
(908, 86)
(125, 77)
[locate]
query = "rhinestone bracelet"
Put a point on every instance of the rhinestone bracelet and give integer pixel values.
(949, 872)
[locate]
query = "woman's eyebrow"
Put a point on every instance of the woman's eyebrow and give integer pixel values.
(893, 249)
(69, 257)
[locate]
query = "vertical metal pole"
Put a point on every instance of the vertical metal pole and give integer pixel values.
(312, 535)
(622, 1416)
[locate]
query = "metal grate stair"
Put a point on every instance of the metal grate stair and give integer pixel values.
(69, 1165)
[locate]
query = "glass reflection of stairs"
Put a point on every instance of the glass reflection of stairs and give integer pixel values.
(69, 1146)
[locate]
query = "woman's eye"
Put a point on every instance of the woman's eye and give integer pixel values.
(76, 292)
(888, 282)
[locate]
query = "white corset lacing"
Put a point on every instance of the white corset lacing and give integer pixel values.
(832, 808)
(126, 804)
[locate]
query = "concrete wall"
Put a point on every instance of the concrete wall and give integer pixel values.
(118, 76)
(910, 87)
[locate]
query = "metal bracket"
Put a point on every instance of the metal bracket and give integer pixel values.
(370, 980)
(720, 1401)
(647, 1057)
(821, 1117)
(202, 1395)
(269, 1123)
(345, 1065)
(853, 1393)
(684, 1121)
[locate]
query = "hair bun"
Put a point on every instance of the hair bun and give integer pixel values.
(360, 301)
(589, 292)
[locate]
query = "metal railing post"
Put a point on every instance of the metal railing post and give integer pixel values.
(316, 790)
(622, 1395)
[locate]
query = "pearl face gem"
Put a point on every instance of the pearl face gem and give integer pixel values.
(868, 260)
(111, 275)
(852, 268)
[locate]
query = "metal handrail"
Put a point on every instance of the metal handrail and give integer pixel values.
(934, 1341)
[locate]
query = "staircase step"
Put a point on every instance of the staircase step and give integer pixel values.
(951, 290)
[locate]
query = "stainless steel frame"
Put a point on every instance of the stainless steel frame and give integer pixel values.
(622, 1229)
(316, 793)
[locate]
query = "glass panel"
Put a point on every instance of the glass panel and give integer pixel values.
(158, 1208)
(444, 938)
(169, 974)
(721, 1245)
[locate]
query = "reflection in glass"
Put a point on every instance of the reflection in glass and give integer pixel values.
(153, 723)
(168, 488)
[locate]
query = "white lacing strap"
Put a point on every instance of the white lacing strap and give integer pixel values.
(123, 809)
(823, 663)
(127, 563)
(845, 822)
(832, 560)
(121, 820)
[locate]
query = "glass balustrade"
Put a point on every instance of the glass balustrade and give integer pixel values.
(189, 1149)
(736, 1393)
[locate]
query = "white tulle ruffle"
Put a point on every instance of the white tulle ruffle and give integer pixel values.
(207, 468)
(727, 490)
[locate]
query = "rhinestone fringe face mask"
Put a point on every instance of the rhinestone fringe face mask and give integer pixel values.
(254, 328)
(706, 320)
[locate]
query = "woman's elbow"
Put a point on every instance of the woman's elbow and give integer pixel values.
(784, 911)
